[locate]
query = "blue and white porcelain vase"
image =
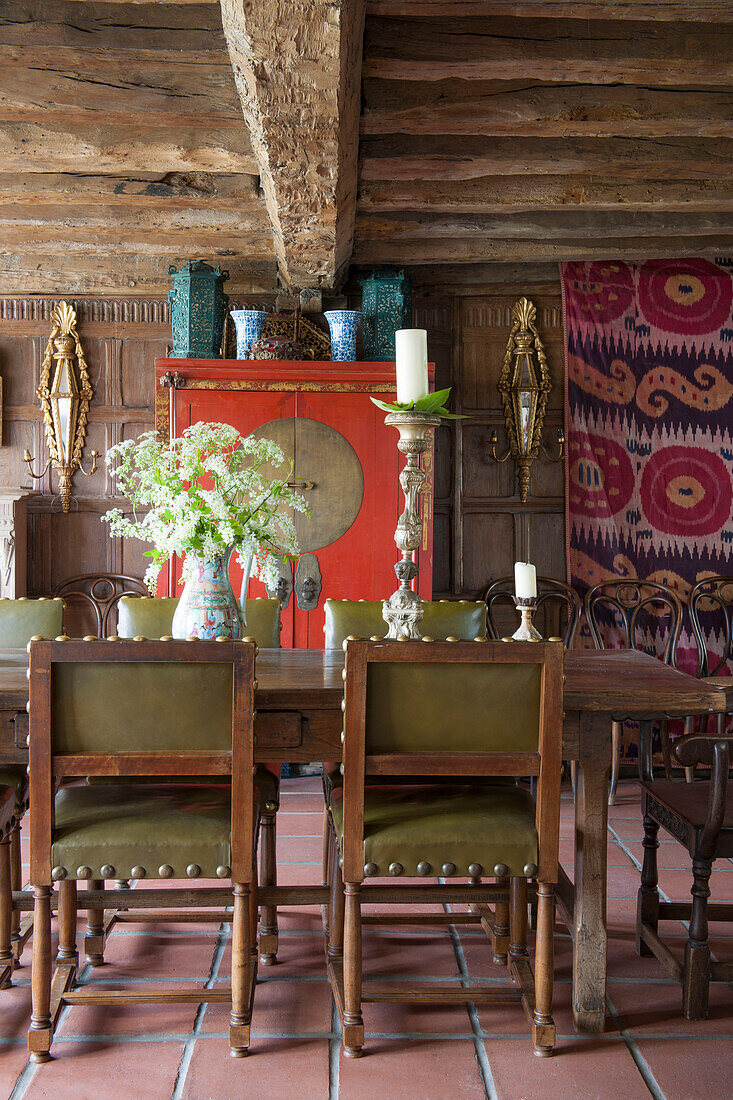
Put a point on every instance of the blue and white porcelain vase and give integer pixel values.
(208, 608)
(249, 324)
(343, 324)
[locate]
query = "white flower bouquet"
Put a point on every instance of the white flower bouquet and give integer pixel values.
(206, 492)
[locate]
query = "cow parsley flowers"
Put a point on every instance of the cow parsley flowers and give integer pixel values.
(205, 492)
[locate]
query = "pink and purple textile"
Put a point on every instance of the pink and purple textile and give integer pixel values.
(649, 368)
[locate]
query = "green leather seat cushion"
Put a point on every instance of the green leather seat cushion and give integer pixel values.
(142, 825)
(15, 776)
(459, 824)
(464, 619)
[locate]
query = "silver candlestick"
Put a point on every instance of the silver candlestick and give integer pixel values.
(526, 631)
(403, 611)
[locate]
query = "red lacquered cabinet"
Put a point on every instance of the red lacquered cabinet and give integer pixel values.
(344, 455)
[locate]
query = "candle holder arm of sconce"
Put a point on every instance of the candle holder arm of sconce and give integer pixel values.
(95, 456)
(29, 460)
(560, 445)
(493, 441)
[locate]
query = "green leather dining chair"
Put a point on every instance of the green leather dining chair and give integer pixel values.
(471, 711)
(152, 617)
(21, 620)
(464, 620)
(119, 710)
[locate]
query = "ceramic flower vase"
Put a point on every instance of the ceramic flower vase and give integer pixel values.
(343, 324)
(249, 324)
(208, 608)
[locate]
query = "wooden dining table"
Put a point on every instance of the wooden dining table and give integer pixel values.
(299, 719)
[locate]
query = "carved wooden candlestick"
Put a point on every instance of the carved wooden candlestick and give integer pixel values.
(403, 611)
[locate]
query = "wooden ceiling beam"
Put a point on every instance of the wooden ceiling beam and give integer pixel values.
(556, 51)
(514, 109)
(505, 194)
(463, 158)
(64, 272)
(297, 68)
(410, 252)
(53, 239)
(571, 222)
(695, 11)
(146, 191)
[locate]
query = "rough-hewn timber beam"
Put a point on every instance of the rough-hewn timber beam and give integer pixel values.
(696, 11)
(523, 251)
(558, 51)
(202, 191)
(496, 108)
(504, 194)
(297, 67)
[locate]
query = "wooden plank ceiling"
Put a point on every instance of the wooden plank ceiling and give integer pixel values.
(491, 135)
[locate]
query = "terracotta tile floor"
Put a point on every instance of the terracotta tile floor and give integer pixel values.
(431, 1053)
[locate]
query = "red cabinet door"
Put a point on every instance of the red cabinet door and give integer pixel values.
(322, 417)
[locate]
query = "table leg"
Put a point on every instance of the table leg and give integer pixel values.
(591, 821)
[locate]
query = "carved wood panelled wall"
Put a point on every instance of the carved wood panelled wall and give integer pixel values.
(121, 337)
(480, 526)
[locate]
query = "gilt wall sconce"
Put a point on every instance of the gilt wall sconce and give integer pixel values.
(524, 385)
(64, 402)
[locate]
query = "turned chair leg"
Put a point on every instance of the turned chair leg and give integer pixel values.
(94, 939)
(666, 754)
(268, 876)
(543, 1025)
(16, 878)
(336, 908)
(239, 1020)
(39, 1033)
(353, 1023)
(67, 952)
(696, 974)
(647, 899)
(6, 915)
(326, 868)
(500, 934)
(518, 919)
(689, 730)
(616, 728)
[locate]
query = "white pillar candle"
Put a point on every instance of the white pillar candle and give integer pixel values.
(411, 352)
(525, 580)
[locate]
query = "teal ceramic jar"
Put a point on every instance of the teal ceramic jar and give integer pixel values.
(386, 306)
(198, 307)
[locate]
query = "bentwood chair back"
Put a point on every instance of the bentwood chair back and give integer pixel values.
(21, 620)
(460, 620)
(152, 617)
(128, 709)
(470, 711)
(558, 611)
(710, 604)
(647, 616)
(91, 601)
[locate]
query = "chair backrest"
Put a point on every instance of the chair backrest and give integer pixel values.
(22, 619)
(713, 595)
(557, 613)
(149, 617)
(101, 708)
(640, 612)
(453, 708)
(461, 619)
(91, 601)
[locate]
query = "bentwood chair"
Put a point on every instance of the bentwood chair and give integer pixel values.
(700, 816)
(152, 618)
(21, 620)
(557, 602)
(92, 598)
(471, 711)
(125, 709)
(642, 615)
(710, 604)
(460, 620)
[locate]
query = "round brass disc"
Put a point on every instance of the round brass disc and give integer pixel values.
(323, 456)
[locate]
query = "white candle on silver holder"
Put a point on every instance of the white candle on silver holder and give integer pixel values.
(411, 354)
(525, 581)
